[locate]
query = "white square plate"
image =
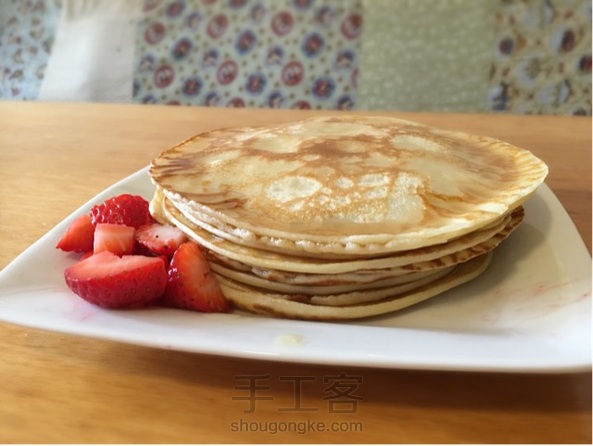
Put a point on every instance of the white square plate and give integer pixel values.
(529, 312)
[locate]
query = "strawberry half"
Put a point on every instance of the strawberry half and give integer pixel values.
(117, 239)
(109, 281)
(79, 236)
(160, 239)
(124, 209)
(192, 285)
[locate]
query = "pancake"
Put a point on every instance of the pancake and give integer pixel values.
(277, 244)
(420, 259)
(273, 304)
(408, 281)
(344, 217)
(347, 184)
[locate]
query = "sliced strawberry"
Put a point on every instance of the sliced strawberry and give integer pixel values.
(79, 236)
(86, 255)
(192, 285)
(124, 209)
(117, 239)
(160, 239)
(110, 281)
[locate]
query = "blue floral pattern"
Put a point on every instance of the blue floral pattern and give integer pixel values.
(542, 61)
(307, 54)
(252, 53)
(27, 30)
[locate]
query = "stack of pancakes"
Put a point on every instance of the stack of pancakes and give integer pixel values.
(343, 217)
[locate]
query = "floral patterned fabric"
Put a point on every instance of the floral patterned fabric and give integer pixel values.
(254, 53)
(27, 30)
(518, 56)
(542, 57)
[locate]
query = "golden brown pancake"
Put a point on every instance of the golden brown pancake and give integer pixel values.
(420, 259)
(260, 301)
(343, 217)
(347, 184)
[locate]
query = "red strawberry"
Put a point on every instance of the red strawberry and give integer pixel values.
(110, 281)
(86, 255)
(79, 236)
(160, 239)
(125, 209)
(192, 285)
(117, 239)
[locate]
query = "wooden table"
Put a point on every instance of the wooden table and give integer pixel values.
(62, 388)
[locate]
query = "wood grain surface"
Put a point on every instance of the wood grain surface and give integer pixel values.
(60, 388)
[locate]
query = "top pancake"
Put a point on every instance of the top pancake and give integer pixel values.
(347, 184)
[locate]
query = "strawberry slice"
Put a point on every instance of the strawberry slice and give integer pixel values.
(117, 239)
(192, 285)
(79, 236)
(124, 209)
(160, 239)
(109, 281)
